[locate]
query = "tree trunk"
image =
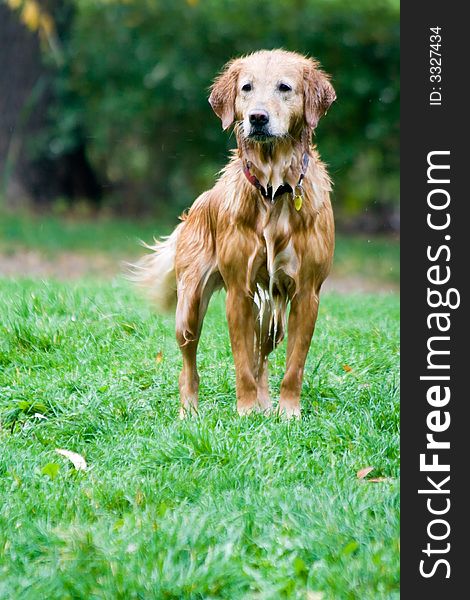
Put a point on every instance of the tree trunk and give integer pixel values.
(29, 173)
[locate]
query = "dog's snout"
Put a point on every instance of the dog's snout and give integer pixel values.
(258, 117)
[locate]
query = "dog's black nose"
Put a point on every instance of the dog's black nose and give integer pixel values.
(259, 117)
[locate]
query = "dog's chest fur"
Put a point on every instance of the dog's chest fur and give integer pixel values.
(276, 264)
(271, 241)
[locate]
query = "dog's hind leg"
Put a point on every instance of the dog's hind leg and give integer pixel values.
(191, 308)
(197, 277)
(189, 378)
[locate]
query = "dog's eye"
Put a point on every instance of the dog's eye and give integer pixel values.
(284, 87)
(246, 87)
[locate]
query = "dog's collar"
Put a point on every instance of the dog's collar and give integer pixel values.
(285, 188)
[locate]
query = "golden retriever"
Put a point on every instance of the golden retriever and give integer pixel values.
(264, 232)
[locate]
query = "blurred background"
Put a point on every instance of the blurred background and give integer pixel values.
(104, 112)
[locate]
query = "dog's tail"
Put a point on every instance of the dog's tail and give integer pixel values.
(155, 272)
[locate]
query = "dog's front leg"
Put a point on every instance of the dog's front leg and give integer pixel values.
(242, 333)
(237, 251)
(302, 318)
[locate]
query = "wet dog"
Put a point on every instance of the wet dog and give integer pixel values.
(264, 232)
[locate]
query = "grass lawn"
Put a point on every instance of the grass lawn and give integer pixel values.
(212, 507)
(374, 258)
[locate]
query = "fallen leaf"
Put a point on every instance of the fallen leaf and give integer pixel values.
(51, 470)
(159, 357)
(315, 595)
(347, 368)
(364, 472)
(39, 416)
(378, 479)
(76, 459)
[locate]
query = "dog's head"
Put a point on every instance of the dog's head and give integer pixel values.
(272, 94)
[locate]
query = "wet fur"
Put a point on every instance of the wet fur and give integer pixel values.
(266, 254)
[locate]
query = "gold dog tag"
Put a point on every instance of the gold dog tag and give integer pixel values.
(298, 202)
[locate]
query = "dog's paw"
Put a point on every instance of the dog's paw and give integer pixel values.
(187, 411)
(264, 405)
(289, 411)
(265, 408)
(245, 409)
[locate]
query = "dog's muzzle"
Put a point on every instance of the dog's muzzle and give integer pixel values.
(259, 122)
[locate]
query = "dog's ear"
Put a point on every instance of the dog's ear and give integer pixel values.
(318, 93)
(223, 93)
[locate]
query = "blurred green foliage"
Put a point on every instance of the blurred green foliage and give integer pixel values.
(135, 76)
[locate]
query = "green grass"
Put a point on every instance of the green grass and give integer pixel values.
(213, 507)
(373, 258)
(52, 234)
(376, 258)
